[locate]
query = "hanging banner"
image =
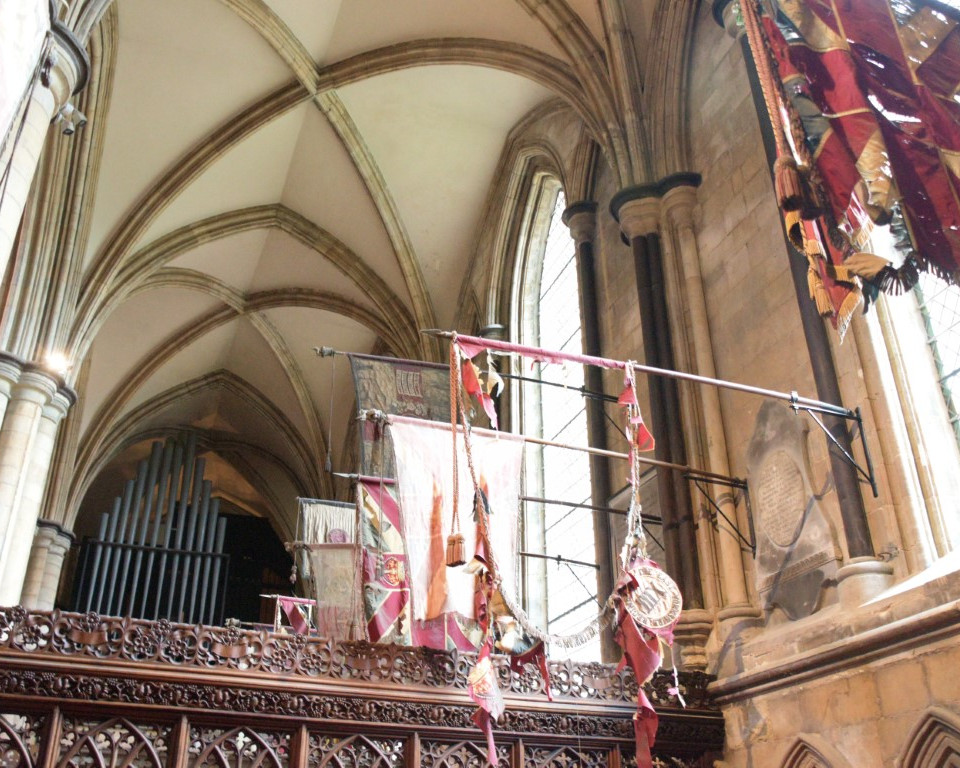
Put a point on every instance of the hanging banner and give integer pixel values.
(386, 592)
(396, 386)
(330, 570)
(328, 522)
(423, 451)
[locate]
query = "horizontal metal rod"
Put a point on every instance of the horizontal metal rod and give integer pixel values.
(560, 559)
(365, 478)
(147, 548)
(528, 351)
(330, 352)
(693, 471)
(582, 390)
(592, 507)
(617, 455)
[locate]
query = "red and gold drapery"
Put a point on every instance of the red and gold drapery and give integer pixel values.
(865, 94)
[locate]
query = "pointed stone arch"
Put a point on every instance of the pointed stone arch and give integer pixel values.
(934, 741)
(812, 751)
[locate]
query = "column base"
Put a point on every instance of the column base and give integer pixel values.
(691, 635)
(734, 619)
(862, 579)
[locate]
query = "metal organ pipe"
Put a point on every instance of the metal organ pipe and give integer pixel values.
(164, 492)
(150, 494)
(165, 516)
(197, 546)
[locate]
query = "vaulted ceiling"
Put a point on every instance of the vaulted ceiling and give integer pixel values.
(278, 175)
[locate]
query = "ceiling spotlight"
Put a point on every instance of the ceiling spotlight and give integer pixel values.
(69, 118)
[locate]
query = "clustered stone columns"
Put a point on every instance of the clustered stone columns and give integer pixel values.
(864, 574)
(50, 546)
(36, 404)
(677, 206)
(62, 73)
(581, 218)
(637, 210)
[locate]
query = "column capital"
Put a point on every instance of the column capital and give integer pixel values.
(678, 205)
(10, 369)
(59, 405)
(637, 208)
(637, 216)
(52, 528)
(34, 386)
(67, 67)
(581, 219)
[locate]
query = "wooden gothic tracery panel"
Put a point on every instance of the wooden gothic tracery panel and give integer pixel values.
(565, 757)
(460, 754)
(117, 743)
(20, 737)
(238, 748)
(354, 752)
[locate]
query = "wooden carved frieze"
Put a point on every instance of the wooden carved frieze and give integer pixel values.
(92, 636)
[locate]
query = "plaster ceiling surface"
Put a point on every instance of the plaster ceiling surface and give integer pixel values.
(403, 172)
(437, 133)
(312, 23)
(323, 185)
(232, 260)
(286, 263)
(183, 68)
(326, 378)
(364, 25)
(127, 338)
(253, 359)
(251, 173)
(198, 358)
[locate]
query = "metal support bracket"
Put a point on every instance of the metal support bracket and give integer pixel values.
(715, 512)
(866, 475)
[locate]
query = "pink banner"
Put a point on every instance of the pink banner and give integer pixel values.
(425, 492)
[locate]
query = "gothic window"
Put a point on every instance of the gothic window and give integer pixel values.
(562, 595)
(934, 741)
(940, 308)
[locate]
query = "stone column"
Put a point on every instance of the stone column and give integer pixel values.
(50, 546)
(28, 511)
(10, 370)
(678, 204)
(637, 209)
(581, 218)
(864, 574)
(18, 436)
(63, 72)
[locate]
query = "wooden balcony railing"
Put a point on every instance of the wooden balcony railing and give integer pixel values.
(87, 690)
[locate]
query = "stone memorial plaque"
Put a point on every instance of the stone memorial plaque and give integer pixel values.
(781, 498)
(797, 554)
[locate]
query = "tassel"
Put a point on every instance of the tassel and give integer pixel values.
(456, 550)
(787, 181)
(819, 293)
(794, 225)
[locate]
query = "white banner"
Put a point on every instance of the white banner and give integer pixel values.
(423, 451)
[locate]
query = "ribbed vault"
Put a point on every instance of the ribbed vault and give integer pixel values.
(272, 176)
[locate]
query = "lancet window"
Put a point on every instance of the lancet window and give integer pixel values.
(553, 408)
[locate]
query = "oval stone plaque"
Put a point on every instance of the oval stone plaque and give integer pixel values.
(781, 498)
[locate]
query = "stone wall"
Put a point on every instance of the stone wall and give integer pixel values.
(868, 687)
